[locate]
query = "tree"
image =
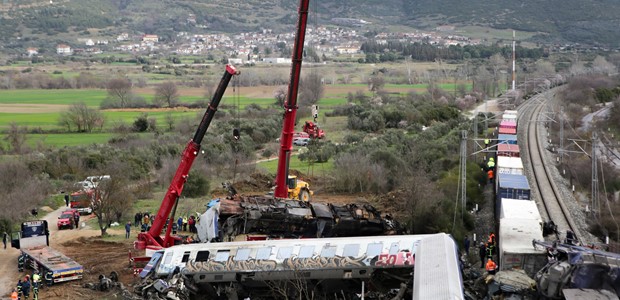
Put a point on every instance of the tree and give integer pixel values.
(602, 66)
(113, 196)
(280, 95)
(312, 89)
(167, 93)
(21, 190)
(16, 137)
(119, 92)
(81, 117)
(376, 83)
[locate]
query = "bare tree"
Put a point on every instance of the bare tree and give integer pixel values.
(20, 191)
(497, 63)
(81, 117)
(311, 89)
(602, 66)
(280, 95)
(376, 83)
(113, 196)
(119, 91)
(167, 93)
(16, 137)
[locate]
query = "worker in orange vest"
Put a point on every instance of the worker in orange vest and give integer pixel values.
(491, 266)
(14, 295)
(490, 175)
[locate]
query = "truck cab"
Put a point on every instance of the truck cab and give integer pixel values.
(298, 189)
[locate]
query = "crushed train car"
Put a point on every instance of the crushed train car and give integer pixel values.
(227, 218)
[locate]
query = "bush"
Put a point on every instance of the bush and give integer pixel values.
(197, 185)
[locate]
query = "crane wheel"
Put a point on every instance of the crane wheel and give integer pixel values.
(304, 195)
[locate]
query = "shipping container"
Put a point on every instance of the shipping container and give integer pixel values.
(508, 150)
(509, 165)
(513, 186)
(507, 139)
(522, 209)
(515, 247)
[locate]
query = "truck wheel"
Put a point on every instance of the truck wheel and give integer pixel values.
(304, 196)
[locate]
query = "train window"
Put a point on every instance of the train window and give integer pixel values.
(351, 250)
(263, 253)
(185, 256)
(222, 255)
(285, 252)
(306, 251)
(328, 251)
(374, 249)
(202, 256)
(242, 254)
(394, 248)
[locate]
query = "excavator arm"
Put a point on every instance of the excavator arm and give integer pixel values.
(153, 236)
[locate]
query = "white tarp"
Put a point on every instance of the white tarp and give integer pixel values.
(207, 226)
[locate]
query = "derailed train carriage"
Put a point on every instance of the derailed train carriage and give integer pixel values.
(228, 218)
(318, 267)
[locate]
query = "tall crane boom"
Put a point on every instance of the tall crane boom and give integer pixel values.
(290, 105)
(152, 237)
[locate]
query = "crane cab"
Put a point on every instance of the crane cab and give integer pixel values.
(298, 189)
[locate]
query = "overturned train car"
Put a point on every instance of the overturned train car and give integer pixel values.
(257, 269)
(228, 218)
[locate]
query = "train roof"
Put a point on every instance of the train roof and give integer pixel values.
(519, 209)
(513, 181)
(514, 234)
(437, 274)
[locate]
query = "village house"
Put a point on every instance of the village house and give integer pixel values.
(150, 38)
(63, 49)
(32, 51)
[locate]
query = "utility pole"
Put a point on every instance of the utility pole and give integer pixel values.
(475, 128)
(595, 204)
(513, 61)
(463, 172)
(561, 150)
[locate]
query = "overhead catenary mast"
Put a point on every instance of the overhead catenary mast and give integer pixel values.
(513, 61)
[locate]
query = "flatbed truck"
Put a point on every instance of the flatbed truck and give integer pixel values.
(33, 242)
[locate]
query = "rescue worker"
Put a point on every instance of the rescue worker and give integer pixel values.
(570, 237)
(36, 278)
(482, 252)
(26, 287)
(486, 143)
(49, 278)
(491, 164)
(490, 175)
(491, 266)
(492, 238)
(20, 262)
(35, 292)
(14, 295)
(19, 289)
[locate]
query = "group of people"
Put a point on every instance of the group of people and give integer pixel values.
(486, 252)
(184, 222)
(145, 220)
(25, 285)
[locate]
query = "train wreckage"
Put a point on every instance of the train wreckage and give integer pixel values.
(227, 218)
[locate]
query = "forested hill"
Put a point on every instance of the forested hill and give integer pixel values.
(582, 21)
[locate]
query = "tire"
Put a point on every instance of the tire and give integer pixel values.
(304, 195)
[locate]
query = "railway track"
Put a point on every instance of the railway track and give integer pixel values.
(546, 191)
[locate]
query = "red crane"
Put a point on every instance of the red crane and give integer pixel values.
(290, 105)
(152, 237)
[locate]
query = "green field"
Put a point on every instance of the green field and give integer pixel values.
(295, 164)
(63, 97)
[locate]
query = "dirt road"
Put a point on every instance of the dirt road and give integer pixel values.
(77, 244)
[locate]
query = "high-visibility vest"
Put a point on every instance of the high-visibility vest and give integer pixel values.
(14, 295)
(486, 141)
(491, 266)
(35, 277)
(491, 164)
(490, 174)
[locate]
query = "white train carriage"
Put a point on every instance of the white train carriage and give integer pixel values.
(386, 261)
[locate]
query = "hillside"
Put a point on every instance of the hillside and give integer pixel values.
(41, 21)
